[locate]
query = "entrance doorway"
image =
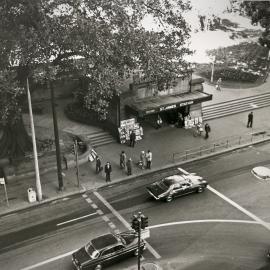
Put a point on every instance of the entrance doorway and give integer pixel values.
(172, 117)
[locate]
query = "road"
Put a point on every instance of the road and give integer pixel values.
(226, 227)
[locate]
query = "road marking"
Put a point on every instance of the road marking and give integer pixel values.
(94, 205)
(105, 218)
(203, 221)
(88, 200)
(49, 260)
(100, 212)
(112, 225)
(75, 219)
(84, 195)
(124, 222)
(242, 209)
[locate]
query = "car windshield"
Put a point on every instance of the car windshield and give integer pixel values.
(91, 250)
(167, 182)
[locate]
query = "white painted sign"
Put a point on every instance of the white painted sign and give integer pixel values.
(2, 181)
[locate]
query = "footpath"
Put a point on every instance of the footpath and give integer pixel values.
(163, 143)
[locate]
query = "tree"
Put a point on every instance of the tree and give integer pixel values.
(259, 12)
(98, 40)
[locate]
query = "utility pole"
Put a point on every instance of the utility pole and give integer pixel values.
(56, 137)
(213, 67)
(38, 184)
(77, 163)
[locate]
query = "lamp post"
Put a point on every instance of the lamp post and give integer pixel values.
(190, 82)
(213, 67)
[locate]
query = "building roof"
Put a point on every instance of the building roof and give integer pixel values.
(155, 104)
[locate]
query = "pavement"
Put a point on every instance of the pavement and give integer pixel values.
(164, 144)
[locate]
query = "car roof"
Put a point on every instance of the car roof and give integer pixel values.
(104, 241)
(176, 179)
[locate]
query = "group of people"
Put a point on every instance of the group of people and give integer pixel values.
(126, 164)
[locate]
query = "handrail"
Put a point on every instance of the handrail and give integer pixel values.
(221, 144)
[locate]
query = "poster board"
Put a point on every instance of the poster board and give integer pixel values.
(125, 129)
(192, 122)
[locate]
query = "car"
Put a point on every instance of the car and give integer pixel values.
(262, 173)
(177, 185)
(107, 249)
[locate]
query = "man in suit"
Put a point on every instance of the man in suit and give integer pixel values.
(250, 120)
(108, 170)
(98, 164)
(132, 138)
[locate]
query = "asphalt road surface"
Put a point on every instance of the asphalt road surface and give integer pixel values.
(226, 227)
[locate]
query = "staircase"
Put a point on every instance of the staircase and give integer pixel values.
(99, 138)
(235, 106)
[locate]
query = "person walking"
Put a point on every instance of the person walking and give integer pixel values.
(98, 165)
(123, 160)
(65, 162)
(207, 130)
(250, 120)
(132, 139)
(143, 160)
(218, 84)
(108, 170)
(149, 157)
(129, 166)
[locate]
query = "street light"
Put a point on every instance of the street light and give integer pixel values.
(191, 71)
(213, 67)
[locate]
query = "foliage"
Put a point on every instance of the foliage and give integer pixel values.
(11, 96)
(98, 39)
(245, 62)
(230, 74)
(259, 12)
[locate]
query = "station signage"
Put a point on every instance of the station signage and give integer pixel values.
(169, 107)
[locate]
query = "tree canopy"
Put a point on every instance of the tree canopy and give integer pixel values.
(100, 40)
(259, 12)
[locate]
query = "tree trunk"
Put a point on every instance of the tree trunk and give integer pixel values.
(15, 140)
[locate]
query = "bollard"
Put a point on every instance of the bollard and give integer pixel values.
(186, 155)
(227, 144)
(239, 140)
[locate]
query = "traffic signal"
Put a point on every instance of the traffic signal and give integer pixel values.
(135, 224)
(144, 222)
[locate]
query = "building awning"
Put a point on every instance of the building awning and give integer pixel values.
(152, 105)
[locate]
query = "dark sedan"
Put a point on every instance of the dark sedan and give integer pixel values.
(177, 185)
(106, 249)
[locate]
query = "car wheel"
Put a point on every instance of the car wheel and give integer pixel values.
(200, 189)
(98, 267)
(169, 199)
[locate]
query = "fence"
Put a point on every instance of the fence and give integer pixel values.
(220, 145)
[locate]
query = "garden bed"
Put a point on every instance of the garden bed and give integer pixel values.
(245, 62)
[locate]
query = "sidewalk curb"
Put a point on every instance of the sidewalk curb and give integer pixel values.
(45, 201)
(134, 176)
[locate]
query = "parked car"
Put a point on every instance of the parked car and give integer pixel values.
(107, 249)
(177, 185)
(261, 173)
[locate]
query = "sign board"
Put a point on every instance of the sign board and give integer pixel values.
(126, 127)
(2, 181)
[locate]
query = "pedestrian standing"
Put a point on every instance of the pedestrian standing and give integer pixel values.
(250, 120)
(108, 170)
(218, 84)
(129, 166)
(98, 165)
(149, 157)
(65, 162)
(159, 122)
(132, 139)
(123, 160)
(207, 130)
(143, 160)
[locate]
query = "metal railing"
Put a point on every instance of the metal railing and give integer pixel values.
(220, 145)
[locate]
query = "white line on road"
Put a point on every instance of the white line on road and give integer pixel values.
(75, 219)
(88, 200)
(203, 221)
(260, 221)
(125, 223)
(49, 260)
